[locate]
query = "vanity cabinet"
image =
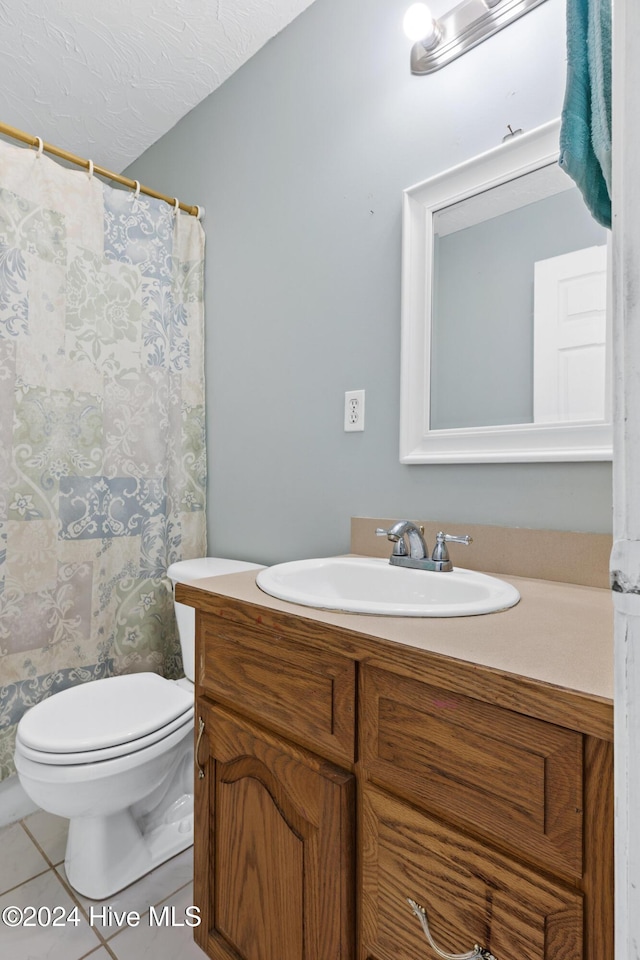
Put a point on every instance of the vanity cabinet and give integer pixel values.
(344, 774)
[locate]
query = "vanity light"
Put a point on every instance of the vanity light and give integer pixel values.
(437, 42)
(420, 26)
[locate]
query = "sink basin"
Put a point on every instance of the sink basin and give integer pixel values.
(370, 585)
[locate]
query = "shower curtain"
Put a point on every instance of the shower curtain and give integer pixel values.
(102, 456)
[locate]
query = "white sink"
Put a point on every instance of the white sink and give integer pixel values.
(369, 585)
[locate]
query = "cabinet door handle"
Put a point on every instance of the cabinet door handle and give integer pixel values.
(198, 764)
(478, 953)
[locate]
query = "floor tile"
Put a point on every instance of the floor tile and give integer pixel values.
(150, 889)
(50, 832)
(69, 942)
(100, 954)
(148, 942)
(20, 859)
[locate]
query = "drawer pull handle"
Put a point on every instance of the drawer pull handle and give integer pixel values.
(478, 953)
(200, 732)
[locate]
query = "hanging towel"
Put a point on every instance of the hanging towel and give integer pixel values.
(585, 134)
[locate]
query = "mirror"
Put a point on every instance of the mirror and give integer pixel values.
(505, 348)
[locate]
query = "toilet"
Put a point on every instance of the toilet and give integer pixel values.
(115, 757)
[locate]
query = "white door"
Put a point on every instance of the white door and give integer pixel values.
(570, 335)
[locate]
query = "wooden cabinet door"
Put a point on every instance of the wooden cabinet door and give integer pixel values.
(472, 894)
(273, 847)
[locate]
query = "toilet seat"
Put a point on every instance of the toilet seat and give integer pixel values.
(107, 753)
(104, 719)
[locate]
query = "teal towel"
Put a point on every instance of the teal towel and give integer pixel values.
(585, 134)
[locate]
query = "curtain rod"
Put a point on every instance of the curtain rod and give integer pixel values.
(16, 134)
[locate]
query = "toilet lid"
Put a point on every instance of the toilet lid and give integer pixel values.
(182, 725)
(104, 713)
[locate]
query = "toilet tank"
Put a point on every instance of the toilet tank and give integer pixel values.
(190, 571)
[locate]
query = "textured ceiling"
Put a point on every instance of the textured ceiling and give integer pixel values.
(107, 79)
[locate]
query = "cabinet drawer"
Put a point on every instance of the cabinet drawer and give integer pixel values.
(472, 894)
(509, 777)
(306, 694)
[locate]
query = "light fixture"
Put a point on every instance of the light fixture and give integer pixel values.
(420, 26)
(437, 42)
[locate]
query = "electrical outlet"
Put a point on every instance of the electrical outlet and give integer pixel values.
(354, 410)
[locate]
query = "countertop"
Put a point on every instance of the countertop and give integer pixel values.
(559, 633)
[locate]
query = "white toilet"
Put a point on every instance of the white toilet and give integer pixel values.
(115, 757)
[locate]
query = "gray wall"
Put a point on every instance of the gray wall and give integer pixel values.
(300, 159)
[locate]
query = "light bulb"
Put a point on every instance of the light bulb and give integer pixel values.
(419, 25)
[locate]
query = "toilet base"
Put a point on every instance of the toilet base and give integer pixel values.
(119, 852)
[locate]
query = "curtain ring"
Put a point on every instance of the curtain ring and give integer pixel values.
(40, 146)
(90, 169)
(176, 205)
(199, 212)
(137, 193)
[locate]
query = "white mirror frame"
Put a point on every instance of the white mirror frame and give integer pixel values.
(585, 440)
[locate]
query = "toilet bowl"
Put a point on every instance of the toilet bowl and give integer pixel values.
(115, 757)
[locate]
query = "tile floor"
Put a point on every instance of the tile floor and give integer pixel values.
(32, 874)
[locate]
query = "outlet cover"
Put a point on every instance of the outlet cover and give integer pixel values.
(354, 410)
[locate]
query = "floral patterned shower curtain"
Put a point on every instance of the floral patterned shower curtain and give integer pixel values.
(102, 457)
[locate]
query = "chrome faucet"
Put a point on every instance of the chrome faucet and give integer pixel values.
(417, 546)
(417, 556)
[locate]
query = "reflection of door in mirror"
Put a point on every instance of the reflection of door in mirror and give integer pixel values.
(570, 333)
(486, 248)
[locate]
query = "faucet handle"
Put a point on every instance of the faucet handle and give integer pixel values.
(440, 551)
